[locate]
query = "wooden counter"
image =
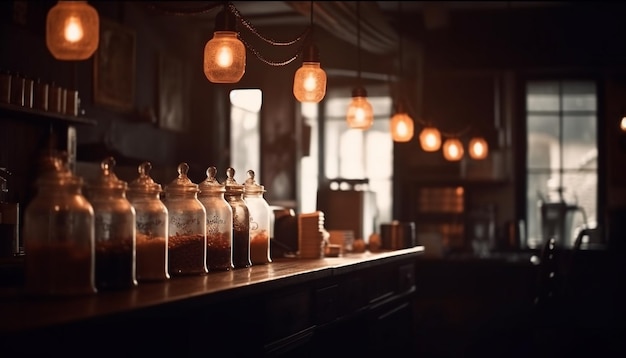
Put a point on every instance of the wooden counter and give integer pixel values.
(282, 307)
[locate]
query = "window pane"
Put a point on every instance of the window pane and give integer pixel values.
(579, 142)
(245, 137)
(579, 96)
(542, 96)
(543, 142)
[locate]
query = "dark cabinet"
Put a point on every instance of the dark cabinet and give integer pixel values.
(356, 305)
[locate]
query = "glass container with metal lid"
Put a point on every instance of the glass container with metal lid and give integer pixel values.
(259, 211)
(59, 234)
(115, 230)
(219, 223)
(187, 226)
(151, 226)
(241, 220)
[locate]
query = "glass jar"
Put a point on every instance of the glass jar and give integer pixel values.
(151, 226)
(219, 223)
(59, 234)
(241, 220)
(187, 226)
(259, 211)
(115, 230)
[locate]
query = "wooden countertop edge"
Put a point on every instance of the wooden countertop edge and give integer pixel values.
(22, 313)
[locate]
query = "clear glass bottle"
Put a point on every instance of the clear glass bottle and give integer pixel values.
(115, 230)
(187, 226)
(59, 236)
(241, 221)
(151, 226)
(219, 223)
(259, 211)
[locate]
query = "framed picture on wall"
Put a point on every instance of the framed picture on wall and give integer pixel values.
(114, 67)
(170, 94)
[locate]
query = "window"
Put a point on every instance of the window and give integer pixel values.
(350, 153)
(245, 137)
(562, 155)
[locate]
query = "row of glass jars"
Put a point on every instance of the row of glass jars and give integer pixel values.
(125, 234)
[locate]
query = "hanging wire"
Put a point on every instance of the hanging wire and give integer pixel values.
(358, 40)
(186, 11)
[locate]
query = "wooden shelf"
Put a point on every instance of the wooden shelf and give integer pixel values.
(11, 111)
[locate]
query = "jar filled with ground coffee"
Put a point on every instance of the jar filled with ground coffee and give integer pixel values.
(259, 211)
(58, 234)
(187, 226)
(115, 230)
(151, 226)
(219, 223)
(241, 220)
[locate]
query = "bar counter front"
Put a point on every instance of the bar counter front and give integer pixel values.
(356, 303)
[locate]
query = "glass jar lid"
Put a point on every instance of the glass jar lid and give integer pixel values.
(182, 184)
(251, 187)
(107, 179)
(144, 183)
(211, 185)
(231, 184)
(55, 171)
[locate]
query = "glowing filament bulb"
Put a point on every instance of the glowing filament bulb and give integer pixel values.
(225, 57)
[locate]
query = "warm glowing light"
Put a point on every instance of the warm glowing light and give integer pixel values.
(453, 149)
(72, 30)
(430, 139)
(622, 124)
(309, 83)
(401, 127)
(360, 113)
(478, 148)
(224, 58)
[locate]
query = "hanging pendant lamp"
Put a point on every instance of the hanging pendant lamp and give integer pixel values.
(309, 82)
(430, 139)
(72, 30)
(360, 112)
(453, 149)
(401, 126)
(401, 123)
(478, 148)
(224, 54)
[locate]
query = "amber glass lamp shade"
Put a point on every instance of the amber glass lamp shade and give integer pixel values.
(453, 149)
(360, 112)
(430, 139)
(224, 58)
(401, 127)
(72, 30)
(478, 148)
(309, 82)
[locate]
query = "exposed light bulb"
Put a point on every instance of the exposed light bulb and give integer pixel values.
(478, 148)
(73, 29)
(430, 139)
(360, 112)
(401, 127)
(453, 149)
(309, 81)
